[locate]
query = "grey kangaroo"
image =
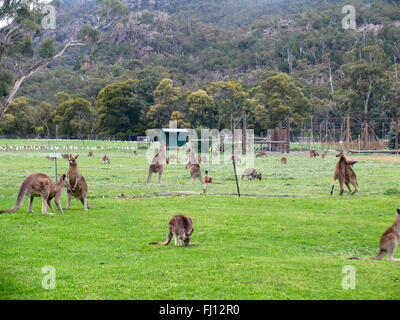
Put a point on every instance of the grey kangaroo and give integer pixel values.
(181, 228)
(40, 185)
(389, 242)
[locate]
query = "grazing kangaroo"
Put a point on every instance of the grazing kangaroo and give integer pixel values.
(324, 153)
(65, 156)
(50, 158)
(262, 153)
(389, 241)
(284, 160)
(106, 160)
(181, 228)
(194, 167)
(345, 174)
(251, 174)
(40, 185)
(313, 153)
(77, 186)
(156, 165)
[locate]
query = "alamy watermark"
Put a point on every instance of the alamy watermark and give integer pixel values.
(349, 21)
(349, 281)
(49, 20)
(222, 147)
(49, 280)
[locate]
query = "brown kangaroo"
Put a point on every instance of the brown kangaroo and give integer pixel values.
(251, 174)
(90, 154)
(262, 153)
(181, 227)
(106, 160)
(389, 242)
(40, 185)
(345, 174)
(156, 165)
(313, 153)
(284, 160)
(77, 186)
(324, 153)
(194, 167)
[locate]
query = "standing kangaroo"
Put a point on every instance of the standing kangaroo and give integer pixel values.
(40, 185)
(313, 153)
(194, 168)
(77, 186)
(157, 165)
(106, 159)
(345, 174)
(389, 242)
(181, 227)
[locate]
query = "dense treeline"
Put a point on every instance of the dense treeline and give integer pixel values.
(126, 109)
(205, 63)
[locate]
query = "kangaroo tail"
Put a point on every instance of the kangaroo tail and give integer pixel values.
(94, 207)
(379, 256)
(167, 241)
(20, 200)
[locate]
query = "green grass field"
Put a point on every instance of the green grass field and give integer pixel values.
(290, 242)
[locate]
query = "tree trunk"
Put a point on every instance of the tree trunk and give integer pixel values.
(396, 139)
(30, 72)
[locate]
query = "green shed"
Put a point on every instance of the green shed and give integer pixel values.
(176, 137)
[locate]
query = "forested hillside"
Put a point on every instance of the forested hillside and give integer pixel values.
(205, 62)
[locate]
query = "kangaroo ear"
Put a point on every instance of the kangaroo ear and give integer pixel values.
(191, 231)
(398, 211)
(76, 157)
(64, 176)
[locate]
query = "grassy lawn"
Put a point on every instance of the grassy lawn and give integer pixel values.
(290, 243)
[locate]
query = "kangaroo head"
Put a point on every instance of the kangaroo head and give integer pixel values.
(62, 180)
(72, 160)
(186, 237)
(340, 154)
(259, 176)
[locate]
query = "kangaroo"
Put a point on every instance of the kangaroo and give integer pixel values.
(389, 241)
(106, 160)
(313, 153)
(194, 167)
(345, 174)
(324, 153)
(284, 160)
(65, 156)
(156, 165)
(40, 185)
(50, 158)
(90, 154)
(181, 228)
(77, 186)
(262, 153)
(251, 174)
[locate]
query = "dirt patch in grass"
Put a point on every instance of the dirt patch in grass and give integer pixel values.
(383, 159)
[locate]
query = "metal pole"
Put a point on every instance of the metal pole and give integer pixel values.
(234, 169)
(56, 169)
